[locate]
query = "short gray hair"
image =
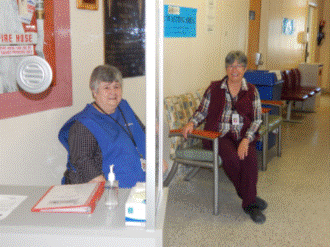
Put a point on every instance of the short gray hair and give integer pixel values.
(233, 56)
(104, 73)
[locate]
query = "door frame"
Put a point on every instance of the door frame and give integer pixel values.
(253, 32)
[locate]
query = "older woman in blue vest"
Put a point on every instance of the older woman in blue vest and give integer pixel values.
(106, 132)
(232, 106)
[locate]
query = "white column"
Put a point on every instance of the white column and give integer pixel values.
(160, 84)
(150, 29)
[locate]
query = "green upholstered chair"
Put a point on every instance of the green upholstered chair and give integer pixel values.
(189, 152)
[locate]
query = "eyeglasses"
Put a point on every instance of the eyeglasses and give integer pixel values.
(239, 66)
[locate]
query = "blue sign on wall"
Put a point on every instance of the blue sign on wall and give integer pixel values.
(288, 26)
(179, 22)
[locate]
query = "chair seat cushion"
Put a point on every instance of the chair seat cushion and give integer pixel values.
(195, 153)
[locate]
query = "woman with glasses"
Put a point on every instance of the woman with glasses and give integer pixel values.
(106, 132)
(232, 106)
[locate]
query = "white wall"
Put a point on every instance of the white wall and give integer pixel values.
(30, 153)
(282, 51)
(194, 62)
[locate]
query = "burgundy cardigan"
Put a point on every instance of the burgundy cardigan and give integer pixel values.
(244, 107)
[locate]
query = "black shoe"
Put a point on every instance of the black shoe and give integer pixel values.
(262, 204)
(255, 213)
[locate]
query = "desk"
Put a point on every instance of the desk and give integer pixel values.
(102, 228)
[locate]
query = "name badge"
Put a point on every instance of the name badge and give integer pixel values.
(235, 119)
(143, 164)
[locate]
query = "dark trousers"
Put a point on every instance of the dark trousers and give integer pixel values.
(242, 173)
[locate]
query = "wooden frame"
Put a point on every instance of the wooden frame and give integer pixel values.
(88, 4)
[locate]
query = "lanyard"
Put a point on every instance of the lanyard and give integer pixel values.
(232, 99)
(127, 131)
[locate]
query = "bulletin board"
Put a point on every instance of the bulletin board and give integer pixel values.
(125, 36)
(21, 35)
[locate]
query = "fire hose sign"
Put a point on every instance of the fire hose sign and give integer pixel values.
(21, 35)
(24, 50)
(18, 39)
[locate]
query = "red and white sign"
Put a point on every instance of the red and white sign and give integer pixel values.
(22, 50)
(26, 10)
(18, 39)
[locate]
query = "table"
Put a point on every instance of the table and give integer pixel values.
(102, 228)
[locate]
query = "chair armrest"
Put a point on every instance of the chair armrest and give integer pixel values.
(202, 134)
(272, 102)
(265, 114)
(265, 110)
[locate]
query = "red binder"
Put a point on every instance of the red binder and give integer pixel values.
(71, 198)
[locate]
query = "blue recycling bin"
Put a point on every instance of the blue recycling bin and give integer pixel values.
(270, 88)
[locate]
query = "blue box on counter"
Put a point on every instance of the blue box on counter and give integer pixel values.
(261, 77)
(269, 87)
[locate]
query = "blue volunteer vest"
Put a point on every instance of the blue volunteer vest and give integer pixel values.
(116, 145)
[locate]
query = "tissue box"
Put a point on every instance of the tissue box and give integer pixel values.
(135, 207)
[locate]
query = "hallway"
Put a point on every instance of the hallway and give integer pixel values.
(296, 187)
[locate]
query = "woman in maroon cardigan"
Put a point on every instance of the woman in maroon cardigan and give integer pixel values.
(232, 106)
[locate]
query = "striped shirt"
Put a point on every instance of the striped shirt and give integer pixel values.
(225, 124)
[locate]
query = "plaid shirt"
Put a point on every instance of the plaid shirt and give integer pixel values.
(225, 124)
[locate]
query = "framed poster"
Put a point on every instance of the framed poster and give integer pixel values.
(125, 36)
(39, 30)
(87, 4)
(288, 26)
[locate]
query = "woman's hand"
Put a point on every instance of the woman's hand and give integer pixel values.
(188, 128)
(97, 179)
(164, 166)
(243, 148)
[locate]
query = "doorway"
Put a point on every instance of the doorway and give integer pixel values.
(311, 34)
(254, 35)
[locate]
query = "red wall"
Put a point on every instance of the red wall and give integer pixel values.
(57, 49)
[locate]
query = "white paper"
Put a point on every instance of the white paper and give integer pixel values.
(26, 10)
(210, 15)
(8, 203)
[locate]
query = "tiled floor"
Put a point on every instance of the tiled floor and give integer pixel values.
(296, 187)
